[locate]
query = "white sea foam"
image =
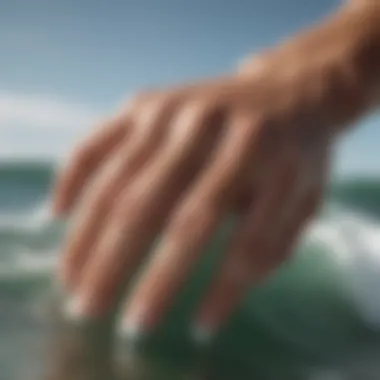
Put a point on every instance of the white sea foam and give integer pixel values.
(350, 240)
(26, 222)
(353, 240)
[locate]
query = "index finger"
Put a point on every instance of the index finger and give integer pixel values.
(84, 160)
(188, 232)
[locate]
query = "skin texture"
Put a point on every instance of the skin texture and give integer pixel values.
(177, 161)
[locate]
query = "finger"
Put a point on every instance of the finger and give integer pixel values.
(253, 258)
(243, 258)
(85, 161)
(114, 176)
(142, 210)
(190, 229)
(287, 237)
(227, 294)
(315, 176)
(91, 153)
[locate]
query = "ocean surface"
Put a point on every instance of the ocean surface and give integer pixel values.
(318, 318)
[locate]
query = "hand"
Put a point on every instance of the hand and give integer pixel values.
(176, 162)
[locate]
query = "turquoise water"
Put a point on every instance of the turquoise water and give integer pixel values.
(316, 318)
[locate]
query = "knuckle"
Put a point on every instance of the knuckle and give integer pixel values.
(137, 101)
(199, 107)
(202, 115)
(190, 120)
(140, 98)
(156, 109)
(165, 100)
(256, 65)
(82, 155)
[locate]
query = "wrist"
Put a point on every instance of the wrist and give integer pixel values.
(343, 52)
(363, 25)
(354, 30)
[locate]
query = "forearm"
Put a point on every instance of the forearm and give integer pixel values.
(363, 25)
(344, 53)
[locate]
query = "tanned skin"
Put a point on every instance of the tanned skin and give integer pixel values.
(256, 143)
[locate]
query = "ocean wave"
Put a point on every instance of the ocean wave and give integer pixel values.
(345, 239)
(26, 222)
(26, 264)
(345, 236)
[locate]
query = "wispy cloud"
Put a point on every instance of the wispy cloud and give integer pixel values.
(40, 125)
(38, 111)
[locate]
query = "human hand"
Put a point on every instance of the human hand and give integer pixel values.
(175, 162)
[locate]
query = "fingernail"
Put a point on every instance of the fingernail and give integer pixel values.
(202, 334)
(131, 330)
(73, 309)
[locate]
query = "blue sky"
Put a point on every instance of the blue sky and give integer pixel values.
(65, 63)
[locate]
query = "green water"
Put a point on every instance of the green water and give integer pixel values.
(316, 317)
(298, 320)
